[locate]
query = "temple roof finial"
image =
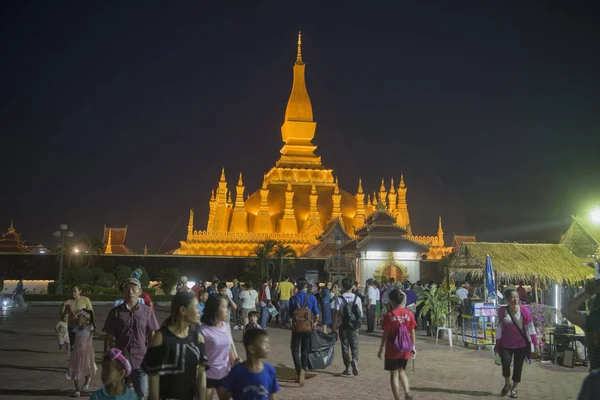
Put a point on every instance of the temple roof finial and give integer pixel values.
(299, 55)
(223, 174)
(11, 228)
(402, 185)
(336, 189)
(360, 188)
(440, 223)
(240, 181)
(382, 188)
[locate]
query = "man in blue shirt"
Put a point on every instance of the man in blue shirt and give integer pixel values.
(301, 340)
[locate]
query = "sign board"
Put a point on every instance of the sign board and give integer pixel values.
(485, 310)
(312, 276)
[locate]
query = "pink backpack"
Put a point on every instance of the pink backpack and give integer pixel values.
(402, 341)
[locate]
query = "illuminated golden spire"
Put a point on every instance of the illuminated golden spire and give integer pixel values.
(336, 189)
(11, 228)
(392, 188)
(382, 187)
(190, 225)
(299, 55)
(402, 185)
(212, 195)
(360, 189)
(440, 232)
(109, 243)
(223, 175)
(240, 181)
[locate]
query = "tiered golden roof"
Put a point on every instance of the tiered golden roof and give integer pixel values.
(298, 197)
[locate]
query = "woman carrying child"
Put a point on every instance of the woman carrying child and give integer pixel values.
(175, 361)
(83, 364)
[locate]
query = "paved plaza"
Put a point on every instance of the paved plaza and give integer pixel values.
(32, 368)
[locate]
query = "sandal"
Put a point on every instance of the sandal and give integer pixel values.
(505, 389)
(513, 394)
(408, 396)
(76, 394)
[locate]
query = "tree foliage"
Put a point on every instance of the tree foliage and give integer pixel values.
(168, 278)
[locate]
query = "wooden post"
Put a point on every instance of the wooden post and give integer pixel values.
(535, 287)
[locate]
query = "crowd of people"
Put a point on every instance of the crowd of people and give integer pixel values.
(193, 355)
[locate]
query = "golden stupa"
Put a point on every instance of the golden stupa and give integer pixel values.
(298, 197)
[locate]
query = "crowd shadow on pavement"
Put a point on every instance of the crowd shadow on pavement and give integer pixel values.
(455, 391)
(39, 392)
(29, 351)
(28, 368)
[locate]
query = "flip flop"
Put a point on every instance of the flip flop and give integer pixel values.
(505, 389)
(513, 394)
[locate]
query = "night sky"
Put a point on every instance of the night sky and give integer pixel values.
(124, 112)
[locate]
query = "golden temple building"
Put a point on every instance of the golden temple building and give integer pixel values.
(298, 196)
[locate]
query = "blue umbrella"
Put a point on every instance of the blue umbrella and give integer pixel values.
(489, 277)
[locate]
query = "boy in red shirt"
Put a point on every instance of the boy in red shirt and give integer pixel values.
(395, 361)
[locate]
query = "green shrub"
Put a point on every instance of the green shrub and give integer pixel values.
(123, 273)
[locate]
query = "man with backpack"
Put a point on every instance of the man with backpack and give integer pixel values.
(348, 311)
(304, 311)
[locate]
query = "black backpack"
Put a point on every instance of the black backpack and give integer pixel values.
(350, 314)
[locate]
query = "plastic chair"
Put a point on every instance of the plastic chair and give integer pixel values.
(449, 326)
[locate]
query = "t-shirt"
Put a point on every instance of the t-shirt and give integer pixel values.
(371, 295)
(391, 324)
(246, 385)
(217, 342)
(286, 290)
(118, 302)
(102, 395)
(377, 294)
(248, 299)
(339, 303)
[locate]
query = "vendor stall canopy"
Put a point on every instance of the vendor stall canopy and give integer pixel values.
(522, 262)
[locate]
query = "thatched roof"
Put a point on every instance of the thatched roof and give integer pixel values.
(516, 261)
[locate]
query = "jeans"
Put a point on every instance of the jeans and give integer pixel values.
(236, 317)
(349, 341)
(300, 347)
(264, 316)
(140, 382)
(519, 357)
(284, 309)
(371, 318)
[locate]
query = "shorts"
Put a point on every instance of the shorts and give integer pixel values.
(378, 306)
(246, 311)
(61, 342)
(392, 364)
(215, 383)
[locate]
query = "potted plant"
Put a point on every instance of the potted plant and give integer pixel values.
(436, 302)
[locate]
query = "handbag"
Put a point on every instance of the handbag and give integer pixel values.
(523, 335)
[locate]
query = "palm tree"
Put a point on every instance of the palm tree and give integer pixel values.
(264, 252)
(168, 278)
(282, 251)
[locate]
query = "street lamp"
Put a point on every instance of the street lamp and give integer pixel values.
(338, 245)
(61, 234)
(595, 215)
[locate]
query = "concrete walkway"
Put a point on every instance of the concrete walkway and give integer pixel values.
(32, 368)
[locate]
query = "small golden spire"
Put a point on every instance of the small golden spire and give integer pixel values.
(392, 184)
(440, 223)
(369, 201)
(240, 181)
(374, 198)
(299, 55)
(109, 243)
(360, 189)
(337, 187)
(223, 175)
(402, 185)
(229, 202)
(264, 184)
(382, 188)
(11, 228)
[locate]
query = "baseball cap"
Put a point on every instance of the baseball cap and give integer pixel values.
(132, 280)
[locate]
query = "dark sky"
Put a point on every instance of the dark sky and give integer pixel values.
(124, 112)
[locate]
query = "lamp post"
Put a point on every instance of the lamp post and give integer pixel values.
(338, 245)
(61, 234)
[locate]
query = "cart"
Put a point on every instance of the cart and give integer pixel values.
(482, 321)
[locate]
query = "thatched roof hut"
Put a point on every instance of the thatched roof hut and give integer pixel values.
(522, 262)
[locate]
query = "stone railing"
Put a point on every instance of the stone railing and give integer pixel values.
(204, 236)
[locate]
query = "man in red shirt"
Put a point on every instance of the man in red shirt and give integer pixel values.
(395, 360)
